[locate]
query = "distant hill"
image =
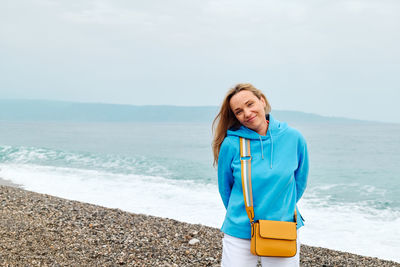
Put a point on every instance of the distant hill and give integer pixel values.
(43, 110)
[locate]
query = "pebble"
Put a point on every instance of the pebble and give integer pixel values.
(194, 241)
(42, 230)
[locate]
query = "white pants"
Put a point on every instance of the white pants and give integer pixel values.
(236, 253)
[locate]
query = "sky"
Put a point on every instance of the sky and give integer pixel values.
(335, 58)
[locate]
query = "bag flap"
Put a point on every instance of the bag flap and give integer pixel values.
(278, 230)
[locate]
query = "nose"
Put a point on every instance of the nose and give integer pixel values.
(246, 112)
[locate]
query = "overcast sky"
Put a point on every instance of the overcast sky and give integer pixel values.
(336, 58)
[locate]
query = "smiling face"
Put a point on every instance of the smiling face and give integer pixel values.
(249, 110)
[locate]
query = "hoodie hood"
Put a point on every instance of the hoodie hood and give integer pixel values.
(275, 128)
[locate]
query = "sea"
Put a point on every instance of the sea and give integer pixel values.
(352, 201)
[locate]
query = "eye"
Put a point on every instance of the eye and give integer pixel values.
(238, 112)
(250, 104)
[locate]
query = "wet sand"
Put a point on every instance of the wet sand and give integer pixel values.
(7, 183)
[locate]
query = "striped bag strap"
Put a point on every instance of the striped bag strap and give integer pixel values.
(245, 160)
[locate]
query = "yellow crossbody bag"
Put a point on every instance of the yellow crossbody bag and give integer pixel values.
(268, 238)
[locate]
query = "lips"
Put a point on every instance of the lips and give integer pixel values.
(251, 119)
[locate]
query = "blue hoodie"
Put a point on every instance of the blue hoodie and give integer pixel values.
(279, 170)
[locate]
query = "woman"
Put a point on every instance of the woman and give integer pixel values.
(279, 169)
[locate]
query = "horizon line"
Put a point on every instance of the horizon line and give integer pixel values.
(182, 106)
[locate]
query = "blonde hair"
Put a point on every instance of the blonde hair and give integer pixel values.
(227, 119)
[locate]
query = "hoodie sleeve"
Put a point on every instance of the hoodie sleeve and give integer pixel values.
(225, 175)
(301, 174)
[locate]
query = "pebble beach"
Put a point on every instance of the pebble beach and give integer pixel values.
(43, 230)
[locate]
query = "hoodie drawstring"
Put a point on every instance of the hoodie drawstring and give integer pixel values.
(272, 148)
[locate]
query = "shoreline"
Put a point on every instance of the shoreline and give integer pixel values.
(8, 183)
(38, 229)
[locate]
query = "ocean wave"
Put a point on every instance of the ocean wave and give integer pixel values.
(363, 195)
(81, 160)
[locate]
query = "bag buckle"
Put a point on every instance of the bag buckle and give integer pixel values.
(246, 158)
